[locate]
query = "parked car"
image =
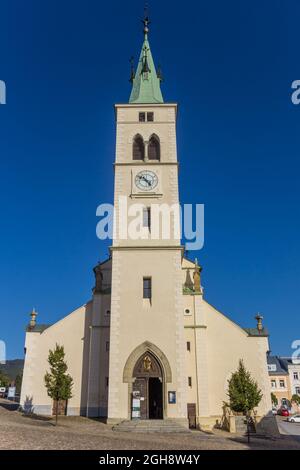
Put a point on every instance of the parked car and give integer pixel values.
(294, 419)
(283, 412)
(274, 411)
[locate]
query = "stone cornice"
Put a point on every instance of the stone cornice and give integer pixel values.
(195, 326)
(145, 163)
(146, 105)
(150, 248)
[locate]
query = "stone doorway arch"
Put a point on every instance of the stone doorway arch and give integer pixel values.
(147, 371)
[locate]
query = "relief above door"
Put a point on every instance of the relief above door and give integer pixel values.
(147, 395)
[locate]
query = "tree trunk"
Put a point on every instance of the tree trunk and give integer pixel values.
(248, 426)
(56, 412)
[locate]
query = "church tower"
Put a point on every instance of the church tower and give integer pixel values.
(147, 377)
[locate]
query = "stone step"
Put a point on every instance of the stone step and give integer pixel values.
(151, 426)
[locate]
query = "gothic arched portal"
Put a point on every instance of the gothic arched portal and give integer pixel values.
(146, 371)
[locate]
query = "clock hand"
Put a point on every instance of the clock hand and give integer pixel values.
(147, 181)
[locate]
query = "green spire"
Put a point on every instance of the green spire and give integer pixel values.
(145, 81)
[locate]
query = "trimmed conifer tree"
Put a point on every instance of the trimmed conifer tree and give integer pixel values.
(58, 383)
(244, 394)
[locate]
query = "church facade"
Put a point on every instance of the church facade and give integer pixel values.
(147, 345)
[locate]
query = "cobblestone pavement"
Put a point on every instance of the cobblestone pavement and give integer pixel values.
(21, 432)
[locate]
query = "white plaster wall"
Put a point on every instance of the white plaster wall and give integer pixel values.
(72, 332)
(133, 322)
(227, 343)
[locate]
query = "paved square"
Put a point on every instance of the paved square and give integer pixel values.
(21, 432)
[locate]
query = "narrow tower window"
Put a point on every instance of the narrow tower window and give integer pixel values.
(142, 117)
(147, 217)
(188, 345)
(154, 148)
(147, 288)
(138, 148)
(150, 117)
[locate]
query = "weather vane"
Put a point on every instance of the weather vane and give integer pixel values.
(146, 21)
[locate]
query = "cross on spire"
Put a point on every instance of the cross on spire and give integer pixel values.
(146, 20)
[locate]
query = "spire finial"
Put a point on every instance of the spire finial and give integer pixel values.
(145, 81)
(146, 20)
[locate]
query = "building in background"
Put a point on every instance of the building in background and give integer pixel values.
(280, 380)
(293, 367)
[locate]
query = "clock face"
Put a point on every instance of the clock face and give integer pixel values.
(146, 180)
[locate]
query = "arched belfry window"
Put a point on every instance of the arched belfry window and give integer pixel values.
(138, 148)
(154, 148)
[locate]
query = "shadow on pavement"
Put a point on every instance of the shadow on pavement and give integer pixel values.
(9, 405)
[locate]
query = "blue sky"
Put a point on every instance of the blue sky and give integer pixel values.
(230, 66)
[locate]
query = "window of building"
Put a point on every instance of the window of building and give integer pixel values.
(147, 287)
(147, 217)
(143, 116)
(296, 376)
(297, 390)
(150, 117)
(281, 384)
(188, 345)
(154, 148)
(138, 148)
(187, 311)
(273, 383)
(106, 381)
(190, 381)
(107, 345)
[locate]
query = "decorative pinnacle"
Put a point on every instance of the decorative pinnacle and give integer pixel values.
(159, 73)
(33, 315)
(132, 71)
(259, 319)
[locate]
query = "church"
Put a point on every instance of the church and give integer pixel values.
(147, 345)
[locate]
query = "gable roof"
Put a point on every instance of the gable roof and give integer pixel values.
(279, 366)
